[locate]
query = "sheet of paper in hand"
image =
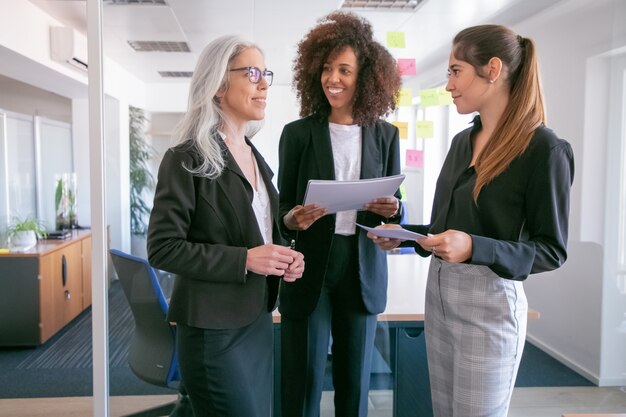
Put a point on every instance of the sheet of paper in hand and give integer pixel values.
(337, 196)
(394, 233)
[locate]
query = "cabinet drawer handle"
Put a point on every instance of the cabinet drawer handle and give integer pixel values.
(63, 270)
(67, 295)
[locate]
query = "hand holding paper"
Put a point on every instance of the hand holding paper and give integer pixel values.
(337, 196)
(393, 233)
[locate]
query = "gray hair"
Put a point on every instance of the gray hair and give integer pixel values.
(204, 115)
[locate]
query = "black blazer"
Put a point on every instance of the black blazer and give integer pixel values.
(306, 153)
(200, 230)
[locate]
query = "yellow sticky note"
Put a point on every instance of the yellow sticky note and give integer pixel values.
(429, 97)
(406, 97)
(395, 40)
(403, 127)
(424, 129)
(444, 97)
(403, 192)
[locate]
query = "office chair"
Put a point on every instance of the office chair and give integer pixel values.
(152, 353)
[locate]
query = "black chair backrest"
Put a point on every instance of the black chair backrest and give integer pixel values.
(152, 354)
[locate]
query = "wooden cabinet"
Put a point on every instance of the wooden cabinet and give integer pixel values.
(44, 289)
(86, 254)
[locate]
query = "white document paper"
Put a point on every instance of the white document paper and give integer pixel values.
(401, 234)
(337, 196)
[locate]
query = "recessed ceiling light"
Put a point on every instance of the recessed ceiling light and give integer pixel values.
(159, 46)
(134, 2)
(176, 74)
(383, 5)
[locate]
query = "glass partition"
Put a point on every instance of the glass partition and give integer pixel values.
(55, 142)
(22, 168)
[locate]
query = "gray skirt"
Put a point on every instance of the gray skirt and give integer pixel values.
(475, 330)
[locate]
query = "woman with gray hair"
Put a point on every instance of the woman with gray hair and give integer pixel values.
(213, 225)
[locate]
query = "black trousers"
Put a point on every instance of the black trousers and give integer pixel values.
(304, 343)
(228, 373)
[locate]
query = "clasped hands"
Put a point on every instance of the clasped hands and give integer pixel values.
(270, 259)
(451, 245)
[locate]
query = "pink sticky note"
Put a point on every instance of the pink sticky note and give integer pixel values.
(406, 66)
(414, 158)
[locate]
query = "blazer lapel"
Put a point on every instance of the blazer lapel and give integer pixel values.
(320, 137)
(266, 175)
(232, 182)
(370, 153)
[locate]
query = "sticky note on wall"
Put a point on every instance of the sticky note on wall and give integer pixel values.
(414, 158)
(403, 127)
(395, 40)
(403, 192)
(444, 97)
(429, 97)
(406, 97)
(407, 66)
(424, 129)
(435, 97)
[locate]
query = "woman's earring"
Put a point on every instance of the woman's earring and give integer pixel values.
(491, 81)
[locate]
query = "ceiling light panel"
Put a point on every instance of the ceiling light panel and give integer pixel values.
(382, 5)
(159, 46)
(176, 74)
(134, 2)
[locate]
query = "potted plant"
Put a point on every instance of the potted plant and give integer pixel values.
(65, 201)
(24, 232)
(141, 179)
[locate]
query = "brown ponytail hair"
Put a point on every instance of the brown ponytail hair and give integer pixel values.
(525, 110)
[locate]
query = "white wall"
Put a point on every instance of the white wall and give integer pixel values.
(25, 58)
(574, 324)
(23, 98)
(282, 108)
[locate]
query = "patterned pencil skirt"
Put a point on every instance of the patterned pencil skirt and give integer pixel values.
(475, 330)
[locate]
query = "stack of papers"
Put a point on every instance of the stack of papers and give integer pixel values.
(337, 196)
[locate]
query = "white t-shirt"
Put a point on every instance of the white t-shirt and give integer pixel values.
(346, 143)
(261, 206)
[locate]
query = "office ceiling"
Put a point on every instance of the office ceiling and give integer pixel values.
(276, 25)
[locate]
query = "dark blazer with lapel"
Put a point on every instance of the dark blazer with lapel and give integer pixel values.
(200, 230)
(306, 153)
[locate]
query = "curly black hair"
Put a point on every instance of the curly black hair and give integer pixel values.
(378, 83)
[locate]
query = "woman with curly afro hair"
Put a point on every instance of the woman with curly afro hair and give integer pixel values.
(346, 82)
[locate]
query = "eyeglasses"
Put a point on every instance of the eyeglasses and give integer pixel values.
(255, 74)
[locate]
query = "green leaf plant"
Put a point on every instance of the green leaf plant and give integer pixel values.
(19, 224)
(141, 178)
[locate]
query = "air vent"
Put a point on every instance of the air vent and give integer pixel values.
(134, 2)
(383, 5)
(176, 74)
(159, 46)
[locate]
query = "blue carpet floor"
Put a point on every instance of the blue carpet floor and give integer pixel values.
(62, 366)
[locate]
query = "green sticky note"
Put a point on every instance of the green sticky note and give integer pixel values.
(406, 97)
(403, 127)
(429, 97)
(424, 129)
(444, 97)
(395, 40)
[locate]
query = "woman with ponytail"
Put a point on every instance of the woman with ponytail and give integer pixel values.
(500, 213)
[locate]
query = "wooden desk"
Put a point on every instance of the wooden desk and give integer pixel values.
(399, 337)
(43, 289)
